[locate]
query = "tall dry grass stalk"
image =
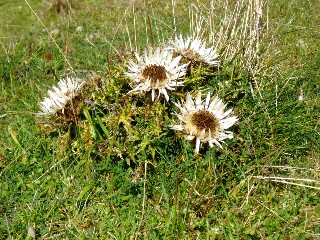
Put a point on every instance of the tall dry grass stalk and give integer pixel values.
(239, 30)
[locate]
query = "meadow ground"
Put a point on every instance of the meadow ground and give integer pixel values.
(120, 172)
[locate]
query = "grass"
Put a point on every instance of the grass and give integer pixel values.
(135, 178)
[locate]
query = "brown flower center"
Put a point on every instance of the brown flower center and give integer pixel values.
(203, 119)
(157, 74)
(191, 55)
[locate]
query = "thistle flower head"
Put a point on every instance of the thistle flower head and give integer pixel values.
(156, 71)
(194, 50)
(59, 97)
(204, 121)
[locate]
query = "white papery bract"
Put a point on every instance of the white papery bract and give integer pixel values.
(59, 96)
(156, 70)
(206, 121)
(194, 50)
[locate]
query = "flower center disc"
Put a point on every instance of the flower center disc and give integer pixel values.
(157, 74)
(191, 55)
(205, 120)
